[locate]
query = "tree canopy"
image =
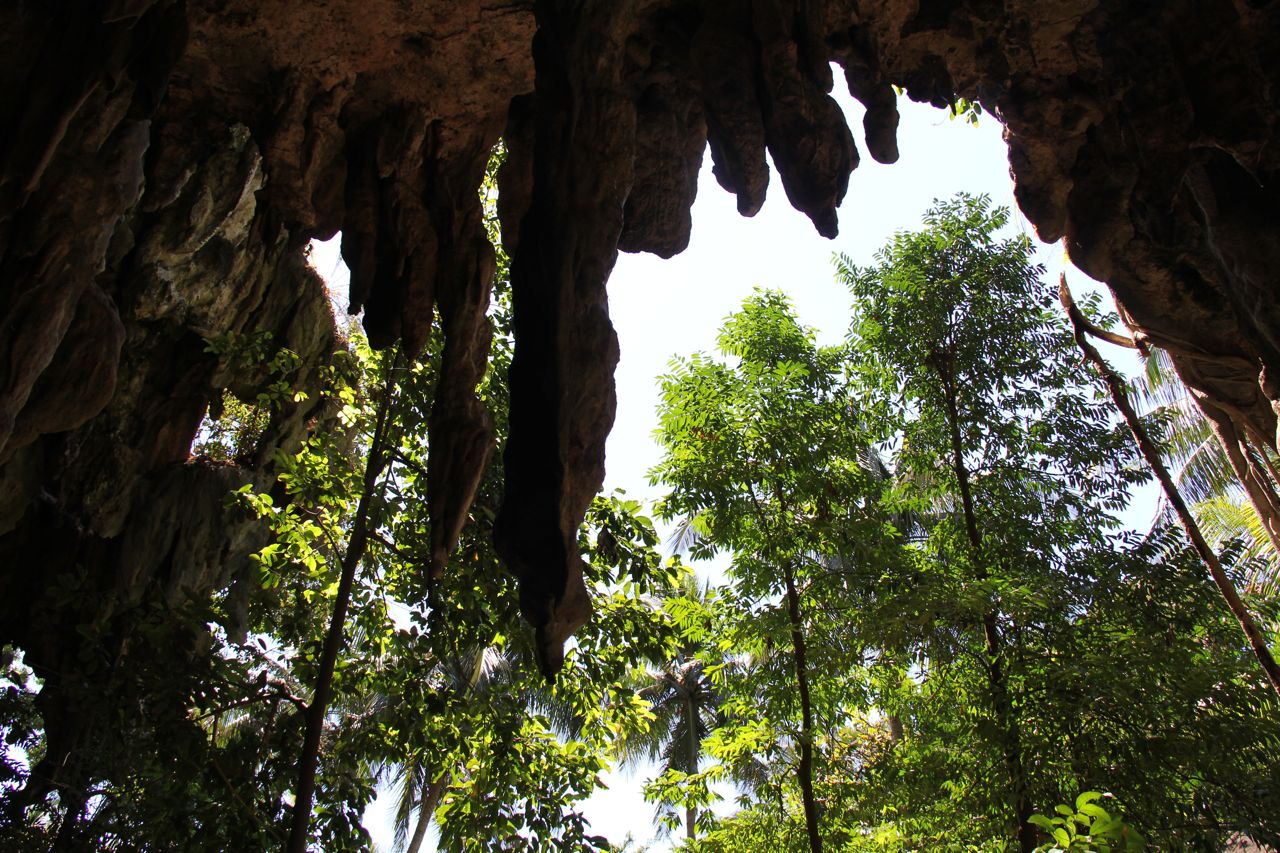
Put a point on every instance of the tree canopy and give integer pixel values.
(935, 502)
(932, 631)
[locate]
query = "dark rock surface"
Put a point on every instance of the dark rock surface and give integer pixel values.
(163, 165)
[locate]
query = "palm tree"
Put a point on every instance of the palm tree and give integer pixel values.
(1229, 477)
(421, 785)
(475, 675)
(1227, 519)
(1236, 447)
(685, 701)
(685, 706)
(419, 796)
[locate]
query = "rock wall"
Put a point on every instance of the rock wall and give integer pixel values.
(163, 165)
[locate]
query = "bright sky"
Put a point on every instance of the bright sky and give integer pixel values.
(664, 308)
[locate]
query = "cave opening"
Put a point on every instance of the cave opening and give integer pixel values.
(162, 164)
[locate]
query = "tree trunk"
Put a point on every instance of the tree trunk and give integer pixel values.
(997, 680)
(357, 543)
(1264, 449)
(430, 799)
(896, 731)
(1257, 482)
(67, 839)
(804, 771)
(691, 811)
(1152, 455)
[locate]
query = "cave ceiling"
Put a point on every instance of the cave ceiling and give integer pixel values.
(164, 164)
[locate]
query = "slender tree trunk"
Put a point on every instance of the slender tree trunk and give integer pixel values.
(357, 543)
(1264, 450)
(691, 811)
(1151, 453)
(804, 771)
(67, 838)
(997, 680)
(1264, 471)
(430, 799)
(1257, 482)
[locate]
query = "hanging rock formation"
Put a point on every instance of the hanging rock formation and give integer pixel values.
(163, 165)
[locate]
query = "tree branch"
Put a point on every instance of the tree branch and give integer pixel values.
(357, 544)
(1110, 337)
(1152, 455)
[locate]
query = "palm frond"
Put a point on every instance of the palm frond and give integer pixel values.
(410, 784)
(1202, 470)
(1159, 386)
(871, 461)
(1224, 519)
(685, 537)
(669, 690)
(1205, 472)
(560, 715)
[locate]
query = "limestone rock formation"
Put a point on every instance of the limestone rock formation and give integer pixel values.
(164, 164)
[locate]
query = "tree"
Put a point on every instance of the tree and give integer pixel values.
(1253, 633)
(683, 701)
(528, 753)
(377, 459)
(763, 451)
(986, 643)
(957, 345)
(421, 783)
(340, 649)
(953, 333)
(1228, 478)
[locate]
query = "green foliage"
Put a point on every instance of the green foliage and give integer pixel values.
(932, 627)
(234, 428)
(764, 452)
(1203, 472)
(1200, 467)
(984, 640)
(1088, 828)
(1227, 520)
(684, 706)
(435, 685)
(966, 109)
(957, 344)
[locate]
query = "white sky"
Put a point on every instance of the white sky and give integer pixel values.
(664, 308)
(675, 307)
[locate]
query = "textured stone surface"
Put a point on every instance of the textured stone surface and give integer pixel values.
(163, 165)
(562, 401)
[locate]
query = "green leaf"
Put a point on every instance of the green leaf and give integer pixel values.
(1085, 798)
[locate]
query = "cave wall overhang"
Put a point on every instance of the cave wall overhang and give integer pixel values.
(163, 165)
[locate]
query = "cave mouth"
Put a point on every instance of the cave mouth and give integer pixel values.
(162, 164)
